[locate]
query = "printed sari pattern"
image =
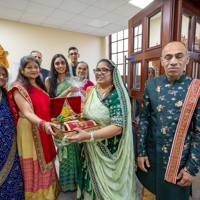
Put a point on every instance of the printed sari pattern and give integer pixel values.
(11, 184)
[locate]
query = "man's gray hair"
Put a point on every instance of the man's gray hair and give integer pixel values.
(34, 51)
(173, 42)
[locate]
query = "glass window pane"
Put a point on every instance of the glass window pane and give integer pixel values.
(140, 29)
(126, 69)
(153, 69)
(138, 38)
(185, 29)
(114, 47)
(135, 43)
(126, 45)
(135, 110)
(120, 46)
(126, 33)
(197, 36)
(114, 58)
(136, 75)
(140, 41)
(120, 67)
(120, 58)
(114, 37)
(154, 30)
(126, 54)
(136, 30)
(120, 35)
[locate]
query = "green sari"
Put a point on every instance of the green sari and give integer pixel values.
(68, 167)
(107, 166)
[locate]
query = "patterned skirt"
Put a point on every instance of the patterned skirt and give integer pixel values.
(68, 167)
(37, 185)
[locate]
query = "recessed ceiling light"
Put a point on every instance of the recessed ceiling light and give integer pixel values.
(140, 3)
(98, 23)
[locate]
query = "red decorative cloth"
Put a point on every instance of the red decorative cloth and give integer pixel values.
(56, 105)
(39, 101)
(80, 124)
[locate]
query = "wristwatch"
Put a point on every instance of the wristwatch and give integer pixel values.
(91, 133)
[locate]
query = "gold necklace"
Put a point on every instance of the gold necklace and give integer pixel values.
(106, 91)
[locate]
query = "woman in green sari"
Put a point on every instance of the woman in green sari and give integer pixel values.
(107, 163)
(58, 86)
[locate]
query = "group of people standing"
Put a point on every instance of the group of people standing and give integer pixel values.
(101, 163)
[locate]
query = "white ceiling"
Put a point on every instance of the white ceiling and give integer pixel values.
(83, 16)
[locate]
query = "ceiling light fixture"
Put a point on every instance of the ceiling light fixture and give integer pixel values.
(98, 23)
(141, 3)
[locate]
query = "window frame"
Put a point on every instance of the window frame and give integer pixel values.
(118, 52)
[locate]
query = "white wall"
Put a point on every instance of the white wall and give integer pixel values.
(19, 39)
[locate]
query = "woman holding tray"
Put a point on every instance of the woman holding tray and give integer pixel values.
(58, 85)
(107, 164)
(11, 184)
(29, 102)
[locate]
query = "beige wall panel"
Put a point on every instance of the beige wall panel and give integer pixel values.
(19, 39)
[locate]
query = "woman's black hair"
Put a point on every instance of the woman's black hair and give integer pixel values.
(23, 63)
(154, 73)
(86, 66)
(111, 67)
(54, 75)
(4, 88)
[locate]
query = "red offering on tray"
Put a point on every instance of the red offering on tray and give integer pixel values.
(70, 109)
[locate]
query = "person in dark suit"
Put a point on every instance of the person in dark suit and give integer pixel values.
(43, 72)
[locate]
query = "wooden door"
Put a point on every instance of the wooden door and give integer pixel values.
(187, 30)
(149, 31)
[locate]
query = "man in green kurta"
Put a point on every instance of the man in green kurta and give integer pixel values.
(162, 104)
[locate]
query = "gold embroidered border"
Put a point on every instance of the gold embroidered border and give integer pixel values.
(9, 163)
(92, 174)
(40, 153)
(185, 118)
(23, 92)
(36, 135)
(51, 193)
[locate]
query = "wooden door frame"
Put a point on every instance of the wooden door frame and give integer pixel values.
(146, 52)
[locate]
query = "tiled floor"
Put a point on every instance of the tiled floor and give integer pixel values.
(72, 195)
(196, 191)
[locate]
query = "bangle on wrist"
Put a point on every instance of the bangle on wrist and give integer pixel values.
(91, 134)
(41, 125)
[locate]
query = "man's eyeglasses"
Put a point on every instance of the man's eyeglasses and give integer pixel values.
(103, 70)
(73, 54)
(58, 63)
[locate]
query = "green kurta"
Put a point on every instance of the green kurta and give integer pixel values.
(112, 103)
(161, 107)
